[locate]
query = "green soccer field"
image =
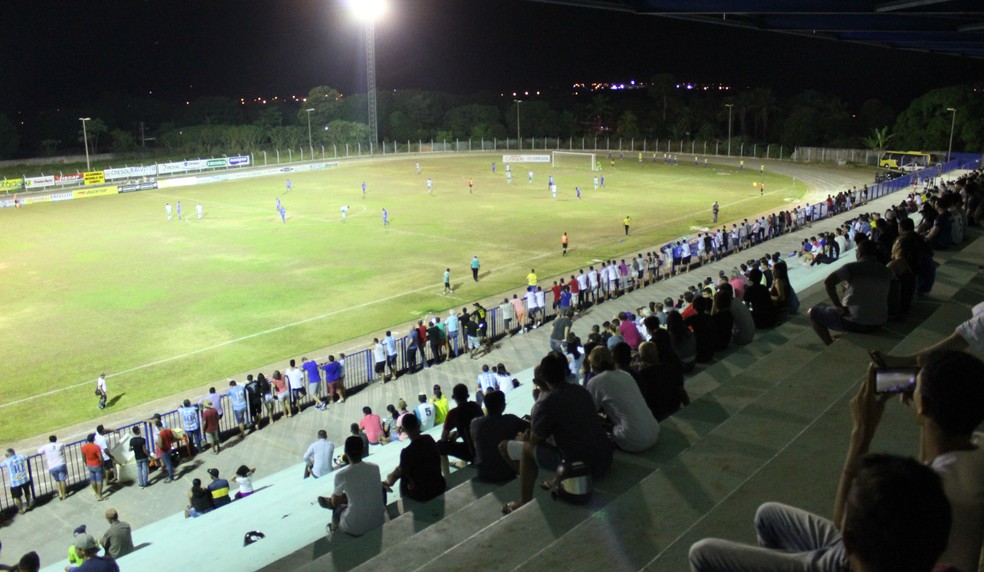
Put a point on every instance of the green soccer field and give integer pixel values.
(108, 284)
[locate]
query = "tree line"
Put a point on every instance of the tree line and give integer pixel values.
(661, 110)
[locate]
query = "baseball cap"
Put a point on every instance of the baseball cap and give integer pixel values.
(85, 543)
(214, 473)
(80, 529)
(207, 403)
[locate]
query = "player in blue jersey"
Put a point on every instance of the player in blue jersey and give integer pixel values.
(363, 189)
(179, 210)
(385, 218)
(288, 186)
(283, 213)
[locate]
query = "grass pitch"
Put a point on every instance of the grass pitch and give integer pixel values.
(110, 285)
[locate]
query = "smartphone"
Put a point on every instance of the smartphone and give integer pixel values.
(895, 379)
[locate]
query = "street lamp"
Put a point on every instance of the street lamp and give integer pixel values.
(310, 144)
(519, 139)
(729, 106)
(368, 11)
(85, 141)
(953, 122)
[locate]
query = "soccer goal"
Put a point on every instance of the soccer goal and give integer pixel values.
(573, 159)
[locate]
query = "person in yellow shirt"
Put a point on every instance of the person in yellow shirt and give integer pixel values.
(531, 279)
(626, 222)
(440, 402)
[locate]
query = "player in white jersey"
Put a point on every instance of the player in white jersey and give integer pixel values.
(508, 176)
(593, 284)
(344, 210)
(613, 278)
(198, 210)
(541, 304)
(417, 164)
(529, 176)
(430, 185)
(531, 307)
(596, 183)
(553, 190)
(167, 209)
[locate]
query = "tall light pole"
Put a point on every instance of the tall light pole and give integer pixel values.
(85, 141)
(368, 11)
(729, 106)
(953, 122)
(310, 144)
(519, 139)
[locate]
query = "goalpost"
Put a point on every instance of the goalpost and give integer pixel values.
(573, 159)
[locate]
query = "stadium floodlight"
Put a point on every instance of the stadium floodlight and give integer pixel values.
(953, 123)
(729, 106)
(519, 139)
(85, 141)
(368, 11)
(310, 144)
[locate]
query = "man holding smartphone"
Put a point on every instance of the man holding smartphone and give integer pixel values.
(948, 400)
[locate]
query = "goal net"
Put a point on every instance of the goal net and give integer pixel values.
(573, 159)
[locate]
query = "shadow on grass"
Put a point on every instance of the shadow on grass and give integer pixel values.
(115, 399)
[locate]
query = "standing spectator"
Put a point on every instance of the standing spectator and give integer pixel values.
(93, 461)
(379, 360)
(295, 380)
(419, 471)
(215, 398)
(357, 504)
(267, 391)
(864, 307)
(333, 379)
(219, 488)
(389, 342)
(490, 430)
(54, 456)
(117, 540)
(199, 500)
(410, 351)
(421, 343)
(210, 423)
(520, 312)
(254, 399)
(313, 376)
(457, 426)
(434, 337)
(451, 324)
(508, 314)
(109, 463)
(141, 455)
(239, 398)
(162, 448)
(282, 391)
(189, 422)
(20, 480)
(373, 426)
(319, 455)
(440, 402)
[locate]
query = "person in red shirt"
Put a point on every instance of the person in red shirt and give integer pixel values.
(94, 462)
(556, 295)
(373, 426)
(210, 423)
(162, 448)
(575, 292)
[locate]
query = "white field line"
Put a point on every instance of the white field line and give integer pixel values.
(523, 262)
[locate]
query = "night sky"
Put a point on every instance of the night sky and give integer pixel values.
(61, 52)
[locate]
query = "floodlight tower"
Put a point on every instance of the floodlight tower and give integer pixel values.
(729, 106)
(953, 123)
(310, 143)
(368, 11)
(85, 141)
(519, 139)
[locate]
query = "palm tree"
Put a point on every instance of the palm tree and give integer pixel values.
(878, 139)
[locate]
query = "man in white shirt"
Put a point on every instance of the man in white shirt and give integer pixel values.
(617, 394)
(54, 456)
(295, 381)
(425, 412)
(357, 503)
(319, 455)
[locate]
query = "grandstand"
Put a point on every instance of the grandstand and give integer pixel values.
(768, 422)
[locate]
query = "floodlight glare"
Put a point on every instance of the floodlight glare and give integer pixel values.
(367, 10)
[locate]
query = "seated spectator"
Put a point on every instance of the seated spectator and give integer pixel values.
(358, 505)
(87, 548)
(660, 377)
(864, 307)
(318, 457)
(724, 322)
(200, 500)
(616, 393)
(373, 426)
(683, 340)
(629, 332)
(401, 405)
(503, 379)
(704, 328)
(757, 297)
(389, 423)
(949, 405)
(244, 479)
(419, 471)
(219, 489)
(357, 431)
(783, 296)
(440, 402)
(425, 412)
(118, 539)
(458, 426)
(904, 261)
(566, 415)
(488, 431)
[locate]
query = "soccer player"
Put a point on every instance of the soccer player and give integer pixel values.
(578, 189)
(179, 210)
(529, 176)
(508, 175)
(288, 186)
(418, 167)
(626, 222)
(762, 170)
(198, 210)
(447, 281)
(508, 169)
(564, 239)
(101, 390)
(167, 209)
(385, 218)
(596, 183)
(283, 214)
(553, 190)
(715, 208)
(761, 189)
(363, 190)
(278, 203)
(602, 180)
(550, 181)
(471, 183)
(430, 185)
(493, 166)
(741, 164)
(344, 210)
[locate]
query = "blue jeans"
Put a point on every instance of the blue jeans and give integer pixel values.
(168, 464)
(143, 471)
(195, 435)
